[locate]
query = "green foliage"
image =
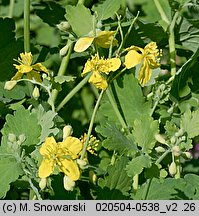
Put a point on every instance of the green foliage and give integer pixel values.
(149, 128)
(106, 9)
(23, 122)
(136, 165)
(80, 19)
(190, 123)
(10, 170)
(116, 140)
(116, 183)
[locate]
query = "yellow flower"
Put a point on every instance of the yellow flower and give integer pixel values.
(149, 57)
(99, 67)
(25, 67)
(63, 155)
(103, 39)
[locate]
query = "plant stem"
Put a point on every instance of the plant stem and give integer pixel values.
(73, 92)
(62, 70)
(161, 11)
(172, 49)
(91, 124)
(27, 25)
(177, 161)
(45, 87)
(146, 191)
(162, 156)
(117, 112)
(34, 189)
(11, 8)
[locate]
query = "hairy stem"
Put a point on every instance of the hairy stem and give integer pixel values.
(11, 8)
(161, 11)
(27, 25)
(117, 112)
(91, 124)
(73, 92)
(62, 70)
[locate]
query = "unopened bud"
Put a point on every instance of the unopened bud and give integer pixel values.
(10, 84)
(176, 151)
(179, 133)
(43, 183)
(92, 177)
(63, 26)
(173, 139)
(160, 149)
(160, 138)
(35, 93)
(187, 155)
(68, 183)
(67, 131)
(22, 138)
(64, 50)
(11, 137)
(173, 168)
(82, 163)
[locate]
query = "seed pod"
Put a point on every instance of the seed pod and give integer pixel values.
(67, 131)
(173, 168)
(92, 177)
(43, 183)
(68, 183)
(35, 93)
(176, 151)
(10, 84)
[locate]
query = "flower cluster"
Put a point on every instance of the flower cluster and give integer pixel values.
(25, 66)
(148, 57)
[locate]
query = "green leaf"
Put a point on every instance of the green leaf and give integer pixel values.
(80, 19)
(45, 119)
(116, 140)
(106, 8)
(129, 98)
(186, 79)
(147, 127)
(136, 165)
(9, 172)
(192, 187)
(190, 123)
(61, 79)
(187, 34)
(167, 189)
(50, 12)
(116, 180)
(23, 122)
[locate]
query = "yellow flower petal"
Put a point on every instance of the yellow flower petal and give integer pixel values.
(104, 39)
(144, 73)
(26, 58)
(17, 76)
(23, 68)
(83, 43)
(46, 168)
(70, 168)
(49, 147)
(87, 67)
(34, 75)
(99, 81)
(72, 144)
(40, 67)
(114, 64)
(132, 59)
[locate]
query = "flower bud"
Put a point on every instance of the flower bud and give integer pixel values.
(179, 133)
(22, 138)
(63, 26)
(43, 183)
(92, 177)
(187, 155)
(82, 163)
(160, 149)
(68, 183)
(173, 168)
(64, 50)
(10, 84)
(176, 151)
(160, 138)
(173, 139)
(67, 131)
(35, 93)
(11, 137)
